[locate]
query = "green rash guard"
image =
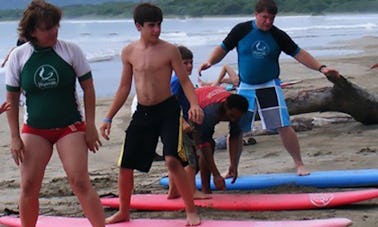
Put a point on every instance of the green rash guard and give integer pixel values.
(47, 78)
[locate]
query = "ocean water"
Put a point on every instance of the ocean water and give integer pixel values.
(102, 40)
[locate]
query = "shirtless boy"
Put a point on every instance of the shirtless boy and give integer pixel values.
(151, 61)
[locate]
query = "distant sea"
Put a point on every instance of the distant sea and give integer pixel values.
(102, 40)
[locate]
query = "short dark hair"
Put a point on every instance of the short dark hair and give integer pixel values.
(268, 5)
(147, 12)
(185, 52)
(37, 12)
(238, 102)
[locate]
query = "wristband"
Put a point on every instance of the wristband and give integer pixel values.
(321, 67)
(107, 120)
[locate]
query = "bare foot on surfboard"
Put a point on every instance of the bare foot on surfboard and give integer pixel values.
(117, 217)
(173, 196)
(192, 219)
(173, 192)
(198, 195)
(302, 171)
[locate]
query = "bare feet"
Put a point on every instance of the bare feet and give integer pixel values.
(173, 196)
(192, 219)
(198, 195)
(173, 193)
(117, 217)
(302, 171)
(206, 190)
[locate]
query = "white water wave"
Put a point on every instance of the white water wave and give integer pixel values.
(367, 26)
(110, 21)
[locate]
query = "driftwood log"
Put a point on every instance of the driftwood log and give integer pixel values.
(344, 97)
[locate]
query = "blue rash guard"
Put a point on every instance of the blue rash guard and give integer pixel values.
(258, 51)
(177, 91)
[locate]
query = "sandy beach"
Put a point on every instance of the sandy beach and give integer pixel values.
(330, 145)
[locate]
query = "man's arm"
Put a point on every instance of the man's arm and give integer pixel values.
(207, 160)
(309, 61)
(235, 147)
(216, 56)
(202, 134)
(374, 66)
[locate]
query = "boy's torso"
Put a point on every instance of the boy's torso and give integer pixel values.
(152, 70)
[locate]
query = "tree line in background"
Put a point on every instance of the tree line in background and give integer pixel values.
(199, 8)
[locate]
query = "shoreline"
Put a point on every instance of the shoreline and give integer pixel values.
(171, 16)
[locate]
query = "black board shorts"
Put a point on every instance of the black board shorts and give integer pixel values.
(142, 135)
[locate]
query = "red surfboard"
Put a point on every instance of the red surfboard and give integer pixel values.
(250, 202)
(48, 221)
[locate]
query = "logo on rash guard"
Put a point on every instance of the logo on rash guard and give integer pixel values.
(260, 49)
(46, 77)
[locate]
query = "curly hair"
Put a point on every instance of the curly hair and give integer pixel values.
(38, 12)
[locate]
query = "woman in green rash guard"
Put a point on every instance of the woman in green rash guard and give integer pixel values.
(45, 70)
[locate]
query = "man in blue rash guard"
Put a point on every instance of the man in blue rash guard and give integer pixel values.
(259, 43)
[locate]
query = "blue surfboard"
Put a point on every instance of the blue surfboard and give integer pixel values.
(318, 179)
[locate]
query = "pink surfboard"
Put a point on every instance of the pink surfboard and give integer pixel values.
(48, 221)
(250, 202)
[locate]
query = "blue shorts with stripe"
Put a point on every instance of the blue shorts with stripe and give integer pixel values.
(268, 100)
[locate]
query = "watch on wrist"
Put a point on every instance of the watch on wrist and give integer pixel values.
(321, 67)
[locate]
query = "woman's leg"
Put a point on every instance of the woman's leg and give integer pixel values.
(73, 152)
(37, 154)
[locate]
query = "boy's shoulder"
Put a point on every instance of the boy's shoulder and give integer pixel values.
(159, 43)
(166, 44)
(129, 47)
